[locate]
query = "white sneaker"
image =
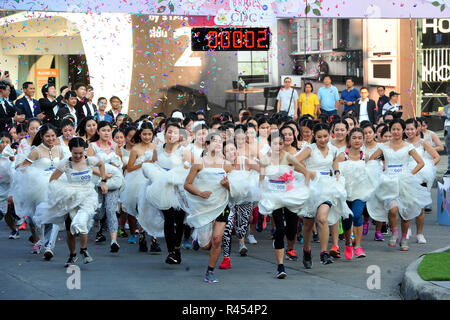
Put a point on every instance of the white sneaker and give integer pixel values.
(421, 239)
(242, 249)
(251, 239)
(408, 235)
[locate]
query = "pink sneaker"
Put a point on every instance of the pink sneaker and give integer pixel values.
(36, 248)
(348, 252)
(366, 228)
(359, 253)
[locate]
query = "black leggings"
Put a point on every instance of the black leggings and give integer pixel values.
(285, 224)
(173, 227)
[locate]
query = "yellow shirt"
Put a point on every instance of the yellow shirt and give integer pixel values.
(308, 105)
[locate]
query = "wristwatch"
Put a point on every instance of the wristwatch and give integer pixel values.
(337, 171)
(104, 180)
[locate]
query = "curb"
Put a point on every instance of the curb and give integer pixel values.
(413, 287)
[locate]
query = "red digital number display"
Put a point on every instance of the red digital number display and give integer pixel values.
(230, 39)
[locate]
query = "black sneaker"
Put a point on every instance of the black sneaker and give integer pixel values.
(100, 238)
(114, 247)
(172, 258)
(384, 230)
(281, 273)
(154, 247)
(307, 259)
(48, 254)
(178, 255)
(14, 235)
(315, 237)
(195, 245)
(143, 244)
(291, 255)
(447, 174)
(325, 258)
(341, 237)
(71, 261)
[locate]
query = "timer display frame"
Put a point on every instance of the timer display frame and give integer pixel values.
(230, 39)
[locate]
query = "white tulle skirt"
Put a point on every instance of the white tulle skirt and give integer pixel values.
(150, 218)
(273, 198)
(361, 181)
(80, 201)
(135, 182)
(325, 188)
(115, 182)
(402, 190)
(244, 186)
(29, 188)
(427, 175)
(164, 191)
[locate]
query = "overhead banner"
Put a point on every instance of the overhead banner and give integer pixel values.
(246, 12)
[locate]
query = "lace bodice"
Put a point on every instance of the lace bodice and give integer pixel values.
(108, 156)
(80, 173)
(317, 161)
(169, 160)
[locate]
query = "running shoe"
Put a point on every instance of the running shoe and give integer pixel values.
(36, 248)
(71, 261)
(242, 249)
(421, 239)
(226, 263)
(143, 244)
(393, 240)
(123, 233)
(341, 237)
(428, 208)
(251, 239)
(14, 235)
(366, 226)
(132, 239)
(335, 252)
(48, 254)
(114, 247)
(384, 229)
(281, 273)
(195, 245)
(100, 238)
(291, 255)
(172, 258)
(325, 258)
(178, 255)
(315, 237)
(359, 253)
(447, 174)
(378, 237)
(187, 244)
(210, 277)
(86, 256)
(348, 252)
(404, 245)
(154, 247)
(307, 259)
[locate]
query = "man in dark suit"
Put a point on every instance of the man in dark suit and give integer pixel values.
(80, 90)
(365, 107)
(68, 109)
(27, 105)
(116, 107)
(50, 103)
(382, 100)
(8, 113)
(90, 109)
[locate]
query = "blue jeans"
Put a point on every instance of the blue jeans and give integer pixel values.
(329, 113)
(357, 208)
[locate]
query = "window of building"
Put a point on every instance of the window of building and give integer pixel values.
(313, 35)
(253, 66)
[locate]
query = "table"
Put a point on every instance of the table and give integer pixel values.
(245, 92)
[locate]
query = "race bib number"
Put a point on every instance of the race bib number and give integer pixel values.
(277, 186)
(395, 169)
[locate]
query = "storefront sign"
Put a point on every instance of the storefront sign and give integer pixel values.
(438, 26)
(46, 73)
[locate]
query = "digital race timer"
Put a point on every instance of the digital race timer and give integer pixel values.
(230, 39)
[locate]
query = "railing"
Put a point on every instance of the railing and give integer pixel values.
(435, 64)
